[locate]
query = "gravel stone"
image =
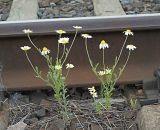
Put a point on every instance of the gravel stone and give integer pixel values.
(90, 7)
(36, 97)
(66, 15)
(50, 16)
(157, 7)
(52, 4)
(80, 1)
(73, 13)
(5, 6)
(45, 103)
(40, 14)
(65, 9)
(49, 10)
(56, 12)
(41, 112)
(156, 1)
(5, 10)
(126, 1)
(46, 3)
(141, 6)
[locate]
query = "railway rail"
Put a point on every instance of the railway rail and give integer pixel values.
(18, 75)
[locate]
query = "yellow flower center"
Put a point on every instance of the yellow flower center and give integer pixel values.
(63, 40)
(129, 30)
(86, 35)
(60, 31)
(45, 49)
(92, 89)
(103, 42)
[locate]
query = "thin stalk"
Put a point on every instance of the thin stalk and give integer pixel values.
(123, 67)
(121, 51)
(39, 76)
(90, 61)
(103, 60)
(58, 48)
(30, 62)
(108, 102)
(65, 104)
(127, 60)
(33, 43)
(70, 47)
(64, 48)
(106, 116)
(67, 73)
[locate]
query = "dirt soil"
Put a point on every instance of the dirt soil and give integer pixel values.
(40, 111)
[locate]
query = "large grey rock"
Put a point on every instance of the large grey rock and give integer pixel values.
(149, 118)
(108, 7)
(23, 10)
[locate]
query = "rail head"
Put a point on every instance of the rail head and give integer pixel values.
(89, 24)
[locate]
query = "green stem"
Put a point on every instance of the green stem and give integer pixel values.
(90, 61)
(108, 102)
(64, 48)
(58, 48)
(121, 52)
(66, 118)
(127, 60)
(120, 73)
(33, 43)
(67, 73)
(70, 47)
(103, 60)
(30, 62)
(38, 75)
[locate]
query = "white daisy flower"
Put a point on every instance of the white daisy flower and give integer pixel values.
(131, 47)
(128, 32)
(103, 45)
(58, 67)
(25, 48)
(93, 92)
(94, 95)
(92, 89)
(27, 31)
(64, 40)
(60, 31)
(86, 36)
(77, 27)
(69, 66)
(45, 51)
(101, 73)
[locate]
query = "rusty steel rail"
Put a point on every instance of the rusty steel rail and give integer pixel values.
(17, 73)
